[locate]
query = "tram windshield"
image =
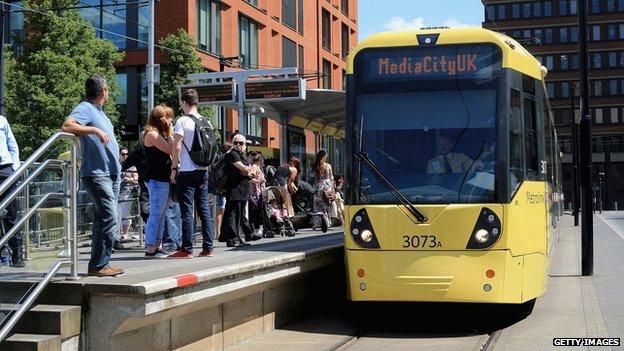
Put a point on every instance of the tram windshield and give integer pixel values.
(432, 135)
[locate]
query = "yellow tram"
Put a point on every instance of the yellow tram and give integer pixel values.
(453, 191)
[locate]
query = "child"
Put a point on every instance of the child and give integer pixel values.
(277, 214)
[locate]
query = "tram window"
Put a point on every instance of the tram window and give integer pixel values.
(548, 142)
(516, 162)
(530, 135)
(528, 85)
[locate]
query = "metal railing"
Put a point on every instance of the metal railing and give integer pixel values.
(69, 194)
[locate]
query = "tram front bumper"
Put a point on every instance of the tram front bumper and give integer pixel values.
(445, 276)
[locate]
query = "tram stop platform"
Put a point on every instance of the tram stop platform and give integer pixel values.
(206, 303)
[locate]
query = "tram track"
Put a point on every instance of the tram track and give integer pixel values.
(350, 341)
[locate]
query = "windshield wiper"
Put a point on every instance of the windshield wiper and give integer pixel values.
(364, 159)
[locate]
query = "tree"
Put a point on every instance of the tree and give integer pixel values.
(180, 59)
(45, 74)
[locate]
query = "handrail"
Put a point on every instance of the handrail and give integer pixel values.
(70, 191)
(9, 198)
(31, 299)
(34, 157)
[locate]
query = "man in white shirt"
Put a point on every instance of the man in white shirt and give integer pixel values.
(9, 162)
(191, 180)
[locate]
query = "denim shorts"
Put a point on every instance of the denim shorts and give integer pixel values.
(220, 201)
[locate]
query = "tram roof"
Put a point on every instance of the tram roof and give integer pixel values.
(514, 55)
(322, 111)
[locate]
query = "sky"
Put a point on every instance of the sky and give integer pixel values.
(388, 15)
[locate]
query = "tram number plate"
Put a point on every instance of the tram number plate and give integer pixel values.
(421, 241)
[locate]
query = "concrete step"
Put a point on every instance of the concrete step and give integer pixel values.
(48, 319)
(32, 342)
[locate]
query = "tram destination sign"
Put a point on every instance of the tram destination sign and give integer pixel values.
(424, 63)
(275, 89)
(213, 93)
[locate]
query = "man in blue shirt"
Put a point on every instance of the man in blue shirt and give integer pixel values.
(100, 171)
(9, 162)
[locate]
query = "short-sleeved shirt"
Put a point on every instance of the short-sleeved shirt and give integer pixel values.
(97, 159)
(185, 127)
(238, 184)
(459, 163)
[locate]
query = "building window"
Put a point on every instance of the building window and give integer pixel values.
(563, 8)
(598, 115)
(548, 36)
(300, 16)
(248, 42)
(114, 23)
(612, 59)
(549, 63)
(550, 89)
(345, 41)
(547, 8)
(326, 30)
(611, 32)
(574, 34)
(595, 6)
(621, 31)
(252, 2)
(575, 61)
(344, 6)
(501, 12)
(537, 9)
(515, 10)
(289, 53)
(327, 74)
(597, 88)
(595, 33)
(573, 7)
(526, 10)
(610, 5)
(565, 89)
(564, 62)
(254, 125)
(621, 5)
(614, 114)
(563, 35)
(344, 80)
(289, 13)
(209, 25)
(596, 60)
(16, 25)
(301, 61)
(490, 12)
(613, 87)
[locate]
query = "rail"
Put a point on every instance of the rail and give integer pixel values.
(70, 192)
(6, 329)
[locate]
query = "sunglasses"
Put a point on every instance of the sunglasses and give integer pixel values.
(241, 143)
(124, 154)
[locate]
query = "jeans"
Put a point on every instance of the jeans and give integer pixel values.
(192, 189)
(104, 192)
(160, 193)
(15, 243)
(172, 237)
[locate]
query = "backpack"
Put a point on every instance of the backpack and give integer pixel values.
(203, 149)
(218, 176)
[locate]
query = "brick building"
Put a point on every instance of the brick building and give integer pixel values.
(549, 30)
(314, 35)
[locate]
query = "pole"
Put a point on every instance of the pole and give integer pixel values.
(2, 13)
(222, 109)
(575, 160)
(587, 236)
(150, 58)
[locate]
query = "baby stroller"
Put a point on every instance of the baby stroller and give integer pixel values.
(277, 212)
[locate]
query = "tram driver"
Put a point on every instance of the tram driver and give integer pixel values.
(450, 162)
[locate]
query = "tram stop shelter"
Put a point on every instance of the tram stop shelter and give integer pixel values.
(279, 94)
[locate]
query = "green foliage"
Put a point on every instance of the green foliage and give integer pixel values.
(180, 59)
(45, 77)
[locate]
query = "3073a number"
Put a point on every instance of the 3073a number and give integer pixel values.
(421, 241)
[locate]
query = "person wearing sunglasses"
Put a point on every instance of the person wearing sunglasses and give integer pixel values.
(235, 227)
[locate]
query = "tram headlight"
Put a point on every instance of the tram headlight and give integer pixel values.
(482, 236)
(366, 235)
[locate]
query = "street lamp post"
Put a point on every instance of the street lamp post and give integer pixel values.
(587, 223)
(575, 157)
(150, 58)
(2, 14)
